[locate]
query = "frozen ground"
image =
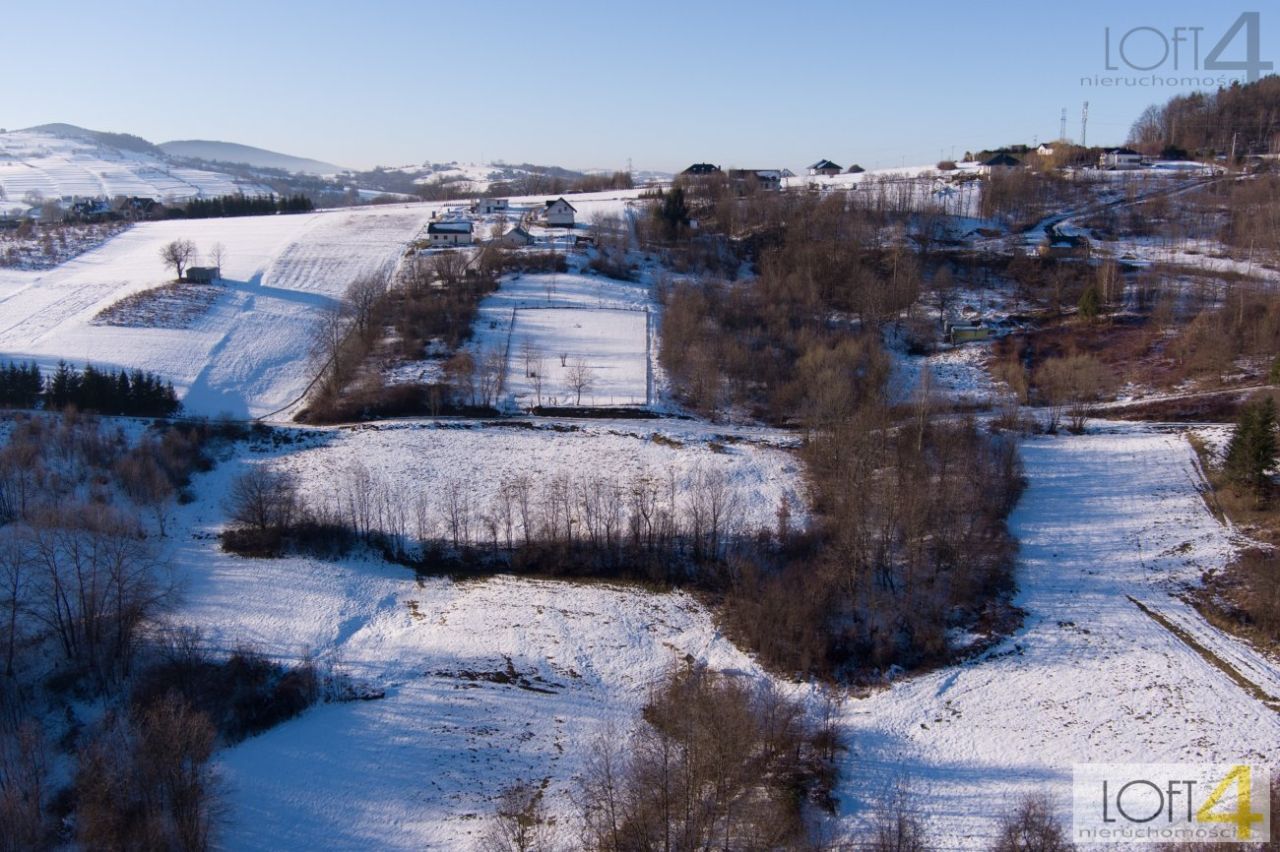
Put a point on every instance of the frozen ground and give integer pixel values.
(247, 353)
(1089, 677)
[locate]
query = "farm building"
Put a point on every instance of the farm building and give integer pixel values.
(203, 274)
(824, 167)
(450, 232)
(559, 213)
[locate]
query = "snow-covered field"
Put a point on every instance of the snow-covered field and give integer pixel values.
(56, 166)
(588, 319)
(248, 354)
(1089, 677)
(420, 768)
(611, 344)
(489, 682)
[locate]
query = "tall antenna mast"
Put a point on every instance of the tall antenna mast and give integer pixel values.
(1084, 126)
(1062, 127)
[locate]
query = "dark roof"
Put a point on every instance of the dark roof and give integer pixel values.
(1123, 151)
(567, 204)
(825, 164)
(701, 169)
(1002, 160)
(454, 226)
(855, 169)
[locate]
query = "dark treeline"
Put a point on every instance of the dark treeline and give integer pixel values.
(652, 527)
(431, 308)
(131, 393)
(240, 205)
(774, 343)
(903, 547)
(1243, 118)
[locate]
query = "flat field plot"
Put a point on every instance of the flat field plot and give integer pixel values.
(608, 345)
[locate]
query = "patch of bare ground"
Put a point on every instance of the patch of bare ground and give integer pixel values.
(174, 305)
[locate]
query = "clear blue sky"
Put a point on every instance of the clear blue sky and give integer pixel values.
(589, 84)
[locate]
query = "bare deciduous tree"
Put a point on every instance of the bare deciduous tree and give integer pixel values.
(520, 821)
(178, 254)
(218, 256)
(263, 499)
(580, 378)
(1032, 827)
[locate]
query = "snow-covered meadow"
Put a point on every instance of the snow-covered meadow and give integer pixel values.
(487, 682)
(557, 323)
(247, 354)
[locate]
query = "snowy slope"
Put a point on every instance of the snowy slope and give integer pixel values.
(1090, 677)
(248, 355)
(420, 767)
(57, 166)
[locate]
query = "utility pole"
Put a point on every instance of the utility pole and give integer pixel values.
(1231, 162)
(1062, 126)
(1084, 126)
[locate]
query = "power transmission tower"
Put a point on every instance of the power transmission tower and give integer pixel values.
(1084, 126)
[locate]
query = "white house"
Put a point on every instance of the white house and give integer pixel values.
(559, 214)
(490, 206)
(1045, 150)
(450, 232)
(1120, 158)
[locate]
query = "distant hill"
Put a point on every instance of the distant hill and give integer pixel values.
(65, 161)
(232, 153)
(119, 141)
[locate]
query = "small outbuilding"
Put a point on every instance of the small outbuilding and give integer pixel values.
(517, 237)
(203, 274)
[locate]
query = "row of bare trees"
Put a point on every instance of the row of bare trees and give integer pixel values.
(659, 521)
